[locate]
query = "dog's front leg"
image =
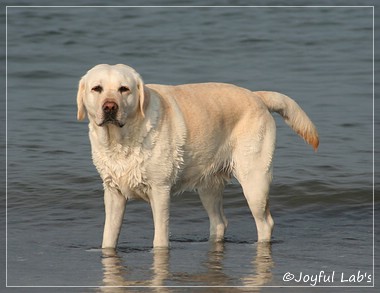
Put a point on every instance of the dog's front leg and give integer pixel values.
(160, 202)
(114, 204)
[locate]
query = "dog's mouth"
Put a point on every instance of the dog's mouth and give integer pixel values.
(112, 121)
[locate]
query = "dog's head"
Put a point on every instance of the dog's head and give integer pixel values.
(110, 94)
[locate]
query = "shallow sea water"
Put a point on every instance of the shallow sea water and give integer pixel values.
(322, 203)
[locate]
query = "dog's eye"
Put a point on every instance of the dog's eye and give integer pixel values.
(123, 89)
(97, 89)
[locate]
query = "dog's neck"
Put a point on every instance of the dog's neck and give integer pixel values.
(111, 134)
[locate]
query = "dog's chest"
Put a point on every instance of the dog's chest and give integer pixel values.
(122, 168)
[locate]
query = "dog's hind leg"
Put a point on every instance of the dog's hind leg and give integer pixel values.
(256, 192)
(212, 200)
(253, 169)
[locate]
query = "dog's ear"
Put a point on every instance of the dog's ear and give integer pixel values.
(80, 103)
(143, 95)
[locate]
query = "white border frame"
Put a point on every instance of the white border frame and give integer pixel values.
(185, 6)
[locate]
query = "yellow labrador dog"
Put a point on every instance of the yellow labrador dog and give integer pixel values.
(150, 141)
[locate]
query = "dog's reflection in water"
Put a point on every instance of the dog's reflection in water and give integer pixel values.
(113, 270)
(262, 265)
(115, 273)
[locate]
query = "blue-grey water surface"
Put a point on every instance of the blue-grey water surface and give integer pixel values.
(321, 202)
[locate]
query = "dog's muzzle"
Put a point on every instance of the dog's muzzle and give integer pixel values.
(110, 110)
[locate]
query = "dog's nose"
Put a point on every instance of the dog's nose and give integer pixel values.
(110, 107)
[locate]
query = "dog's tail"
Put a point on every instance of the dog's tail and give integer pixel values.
(293, 115)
